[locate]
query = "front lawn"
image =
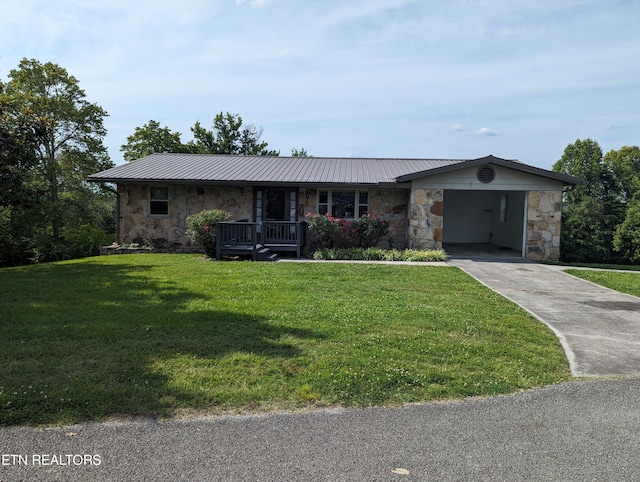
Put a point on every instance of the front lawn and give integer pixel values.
(628, 282)
(161, 335)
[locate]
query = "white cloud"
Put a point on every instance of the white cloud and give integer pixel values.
(253, 3)
(485, 131)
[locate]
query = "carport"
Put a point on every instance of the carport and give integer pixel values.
(493, 219)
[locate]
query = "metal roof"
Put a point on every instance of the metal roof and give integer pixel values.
(256, 170)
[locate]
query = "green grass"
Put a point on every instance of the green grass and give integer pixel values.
(164, 335)
(624, 282)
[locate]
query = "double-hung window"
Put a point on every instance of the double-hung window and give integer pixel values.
(158, 201)
(346, 204)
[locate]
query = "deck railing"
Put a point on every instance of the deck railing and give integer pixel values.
(234, 236)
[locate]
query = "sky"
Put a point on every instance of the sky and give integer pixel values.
(455, 79)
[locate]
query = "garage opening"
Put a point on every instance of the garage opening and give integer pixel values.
(493, 220)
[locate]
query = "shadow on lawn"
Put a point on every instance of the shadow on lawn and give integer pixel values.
(93, 340)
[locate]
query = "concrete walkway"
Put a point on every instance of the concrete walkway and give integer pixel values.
(599, 328)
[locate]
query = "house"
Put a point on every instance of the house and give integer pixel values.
(427, 202)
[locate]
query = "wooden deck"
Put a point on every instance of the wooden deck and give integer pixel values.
(259, 240)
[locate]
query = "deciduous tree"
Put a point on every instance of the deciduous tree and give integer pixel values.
(151, 138)
(229, 136)
(592, 210)
(68, 148)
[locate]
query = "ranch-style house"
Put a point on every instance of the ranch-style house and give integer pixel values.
(429, 203)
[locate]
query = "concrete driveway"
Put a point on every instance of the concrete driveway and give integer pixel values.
(599, 328)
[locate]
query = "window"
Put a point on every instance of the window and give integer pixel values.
(504, 202)
(343, 203)
(159, 201)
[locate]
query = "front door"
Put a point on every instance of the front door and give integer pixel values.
(275, 204)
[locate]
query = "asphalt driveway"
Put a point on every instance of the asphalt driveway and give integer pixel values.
(599, 328)
(573, 431)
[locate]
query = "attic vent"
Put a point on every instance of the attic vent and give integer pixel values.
(486, 174)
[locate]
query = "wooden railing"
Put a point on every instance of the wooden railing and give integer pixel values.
(236, 237)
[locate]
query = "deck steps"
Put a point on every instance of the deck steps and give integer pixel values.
(265, 254)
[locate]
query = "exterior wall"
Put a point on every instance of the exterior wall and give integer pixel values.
(544, 213)
(506, 180)
(138, 226)
(390, 204)
(425, 219)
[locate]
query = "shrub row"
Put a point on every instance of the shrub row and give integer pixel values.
(378, 254)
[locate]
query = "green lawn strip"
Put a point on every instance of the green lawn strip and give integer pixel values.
(624, 282)
(166, 334)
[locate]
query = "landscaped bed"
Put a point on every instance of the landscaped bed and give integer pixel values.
(166, 335)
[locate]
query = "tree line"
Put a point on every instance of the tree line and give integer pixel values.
(601, 217)
(228, 135)
(51, 140)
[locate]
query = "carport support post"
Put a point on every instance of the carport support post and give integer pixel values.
(426, 218)
(544, 212)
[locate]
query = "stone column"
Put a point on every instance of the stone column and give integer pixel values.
(425, 219)
(544, 214)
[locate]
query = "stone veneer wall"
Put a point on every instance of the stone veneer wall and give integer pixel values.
(425, 219)
(543, 225)
(137, 225)
(389, 204)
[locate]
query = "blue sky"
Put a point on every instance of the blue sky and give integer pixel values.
(365, 78)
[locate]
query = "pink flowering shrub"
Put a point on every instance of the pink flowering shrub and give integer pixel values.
(327, 232)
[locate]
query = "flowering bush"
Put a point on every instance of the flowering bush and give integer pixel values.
(371, 229)
(327, 232)
(202, 229)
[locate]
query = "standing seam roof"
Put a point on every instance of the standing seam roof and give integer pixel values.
(224, 168)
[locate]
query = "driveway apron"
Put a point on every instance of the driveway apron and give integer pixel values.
(598, 328)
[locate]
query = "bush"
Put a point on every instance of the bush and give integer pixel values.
(202, 229)
(378, 254)
(327, 232)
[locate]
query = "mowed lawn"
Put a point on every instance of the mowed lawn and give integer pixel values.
(166, 335)
(624, 282)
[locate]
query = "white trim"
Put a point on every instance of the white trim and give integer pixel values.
(356, 203)
(524, 224)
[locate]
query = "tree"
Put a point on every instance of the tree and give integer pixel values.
(627, 237)
(228, 136)
(299, 153)
(624, 164)
(592, 210)
(68, 148)
(19, 199)
(151, 139)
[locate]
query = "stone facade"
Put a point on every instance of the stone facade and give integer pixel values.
(543, 225)
(138, 226)
(421, 210)
(390, 204)
(425, 219)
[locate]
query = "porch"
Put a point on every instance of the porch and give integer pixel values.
(260, 240)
